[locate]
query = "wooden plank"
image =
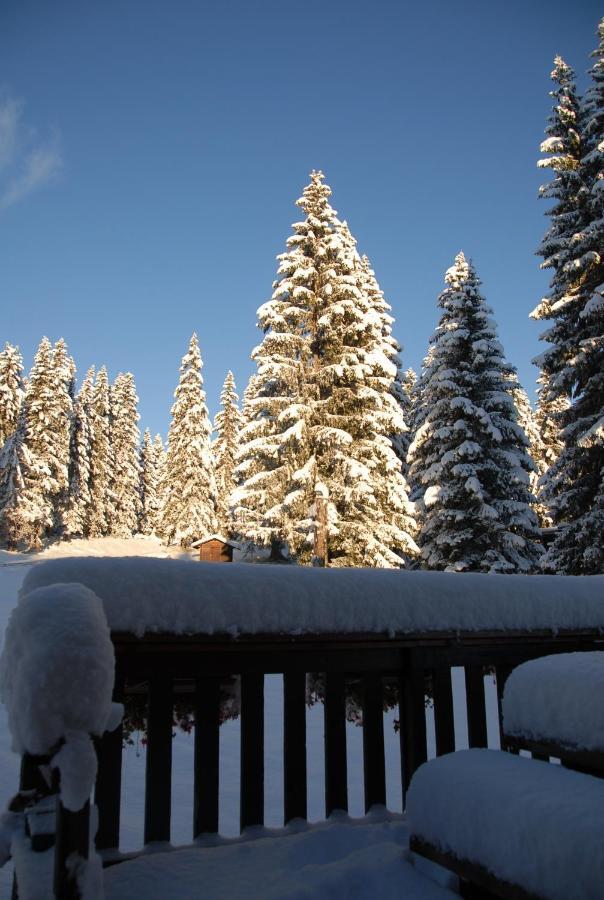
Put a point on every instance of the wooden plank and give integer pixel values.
(590, 762)
(294, 746)
(252, 750)
(206, 756)
(489, 885)
(107, 792)
(374, 766)
(501, 675)
(444, 725)
(476, 707)
(412, 706)
(158, 775)
(336, 783)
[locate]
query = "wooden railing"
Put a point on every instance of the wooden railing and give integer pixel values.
(169, 668)
(192, 667)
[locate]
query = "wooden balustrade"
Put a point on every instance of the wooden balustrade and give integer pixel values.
(168, 668)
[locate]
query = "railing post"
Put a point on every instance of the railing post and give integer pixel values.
(207, 754)
(158, 774)
(444, 726)
(252, 750)
(336, 784)
(72, 837)
(412, 717)
(374, 764)
(107, 794)
(476, 707)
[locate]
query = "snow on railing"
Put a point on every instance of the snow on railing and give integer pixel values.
(56, 681)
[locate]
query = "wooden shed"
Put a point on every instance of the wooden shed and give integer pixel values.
(215, 548)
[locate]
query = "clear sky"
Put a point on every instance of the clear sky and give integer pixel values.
(151, 152)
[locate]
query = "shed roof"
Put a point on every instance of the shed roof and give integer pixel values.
(216, 537)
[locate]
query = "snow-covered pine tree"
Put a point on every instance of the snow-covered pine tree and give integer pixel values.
(387, 345)
(125, 439)
(574, 364)
(150, 460)
(536, 448)
(189, 502)
(24, 508)
(319, 470)
(36, 461)
(227, 426)
(63, 372)
(79, 498)
(469, 453)
(101, 459)
(11, 390)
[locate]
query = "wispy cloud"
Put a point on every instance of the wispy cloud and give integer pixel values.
(27, 161)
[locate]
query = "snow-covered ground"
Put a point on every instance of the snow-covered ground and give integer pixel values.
(13, 569)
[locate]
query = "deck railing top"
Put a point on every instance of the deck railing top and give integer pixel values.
(142, 596)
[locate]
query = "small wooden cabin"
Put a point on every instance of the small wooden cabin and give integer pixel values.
(215, 548)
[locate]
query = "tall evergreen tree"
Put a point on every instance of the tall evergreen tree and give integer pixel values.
(125, 438)
(574, 364)
(79, 496)
(320, 465)
(151, 458)
(101, 459)
(189, 502)
(536, 447)
(227, 426)
(24, 509)
(469, 453)
(11, 390)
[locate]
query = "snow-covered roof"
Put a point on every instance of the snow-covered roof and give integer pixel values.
(216, 537)
(178, 597)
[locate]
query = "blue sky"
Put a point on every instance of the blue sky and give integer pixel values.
(151, 152)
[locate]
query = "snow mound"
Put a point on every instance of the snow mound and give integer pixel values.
(56, 668)
(178, 597)
(528, 822)
(558, 698)
(339, 860)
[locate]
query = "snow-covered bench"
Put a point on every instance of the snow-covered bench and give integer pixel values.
(512, 827)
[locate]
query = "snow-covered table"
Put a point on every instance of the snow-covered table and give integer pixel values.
(554, 706)
(522, 828)
(507, 823)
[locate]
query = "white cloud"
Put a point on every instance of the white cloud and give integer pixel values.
(27, 162)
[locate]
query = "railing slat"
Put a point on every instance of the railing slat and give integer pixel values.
(252, 749)
(206, 758)
(476, 707)
(374, 767)
(444, 726)
(108, 786)
(158, 775)
(336, 785)
(294, 745)
(412, 706)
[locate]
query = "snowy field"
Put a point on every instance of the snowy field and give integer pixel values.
(13, 569)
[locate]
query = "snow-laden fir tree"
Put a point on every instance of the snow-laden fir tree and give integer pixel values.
(63, 388)
(125, 439)
(189, 502)
(101, 459)
(536, 448)
(469, 453)
(227, 426)
(388, 346)
(574, 363)
(79, 497)
(11, 390)
(150, 461)
(319, 469)
(36, 477)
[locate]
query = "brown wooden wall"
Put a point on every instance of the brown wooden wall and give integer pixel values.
(215, 551)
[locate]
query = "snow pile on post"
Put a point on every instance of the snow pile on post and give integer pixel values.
(178, 597)
(527, 822)
(552, 699)
(56, 668)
